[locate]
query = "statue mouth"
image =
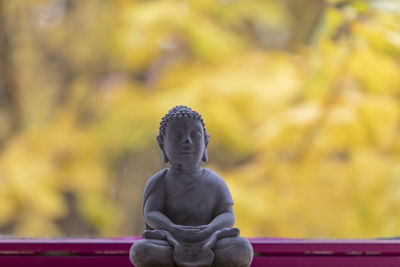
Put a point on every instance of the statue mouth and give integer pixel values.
(187, 153)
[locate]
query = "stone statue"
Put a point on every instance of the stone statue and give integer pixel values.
(188, 209)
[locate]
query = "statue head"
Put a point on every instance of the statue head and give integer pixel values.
(183, 137)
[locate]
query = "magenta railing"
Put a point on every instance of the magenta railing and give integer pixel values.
(268, 252)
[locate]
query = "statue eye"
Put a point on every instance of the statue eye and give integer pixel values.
(195, 134)
(177, 135)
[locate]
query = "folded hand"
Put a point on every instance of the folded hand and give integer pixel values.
(192, 234)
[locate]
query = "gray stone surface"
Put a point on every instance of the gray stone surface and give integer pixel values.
(187, 208)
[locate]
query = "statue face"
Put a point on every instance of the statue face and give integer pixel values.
(184, 141)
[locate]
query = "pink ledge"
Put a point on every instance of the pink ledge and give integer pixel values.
(268, 252)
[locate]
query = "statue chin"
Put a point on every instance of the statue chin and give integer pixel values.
(179, 198)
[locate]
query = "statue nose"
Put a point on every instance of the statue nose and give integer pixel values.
(187, 141)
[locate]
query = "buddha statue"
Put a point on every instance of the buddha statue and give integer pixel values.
(188, 209)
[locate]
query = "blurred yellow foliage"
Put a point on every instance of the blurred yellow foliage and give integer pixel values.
(300, 97)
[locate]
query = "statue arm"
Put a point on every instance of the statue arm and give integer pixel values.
(153, 215)
(224, 216)
(224, 219)
(153, 206)
(158, 221)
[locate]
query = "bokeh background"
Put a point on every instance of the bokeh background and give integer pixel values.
(301, 99)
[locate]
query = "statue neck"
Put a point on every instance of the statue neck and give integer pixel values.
(191, 171)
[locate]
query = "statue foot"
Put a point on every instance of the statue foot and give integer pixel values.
(151, 253)
(154, 234)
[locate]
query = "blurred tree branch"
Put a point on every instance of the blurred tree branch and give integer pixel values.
(306, 16)
(8, 86)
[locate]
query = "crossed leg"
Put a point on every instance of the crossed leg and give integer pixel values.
(233, 252)
(151, 253)
(229, 252)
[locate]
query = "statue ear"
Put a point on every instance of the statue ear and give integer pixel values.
(160, 142)
(205, 156)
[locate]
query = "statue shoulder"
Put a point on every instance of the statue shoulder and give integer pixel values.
(155, 182)
(223, 193)
(215, 178)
